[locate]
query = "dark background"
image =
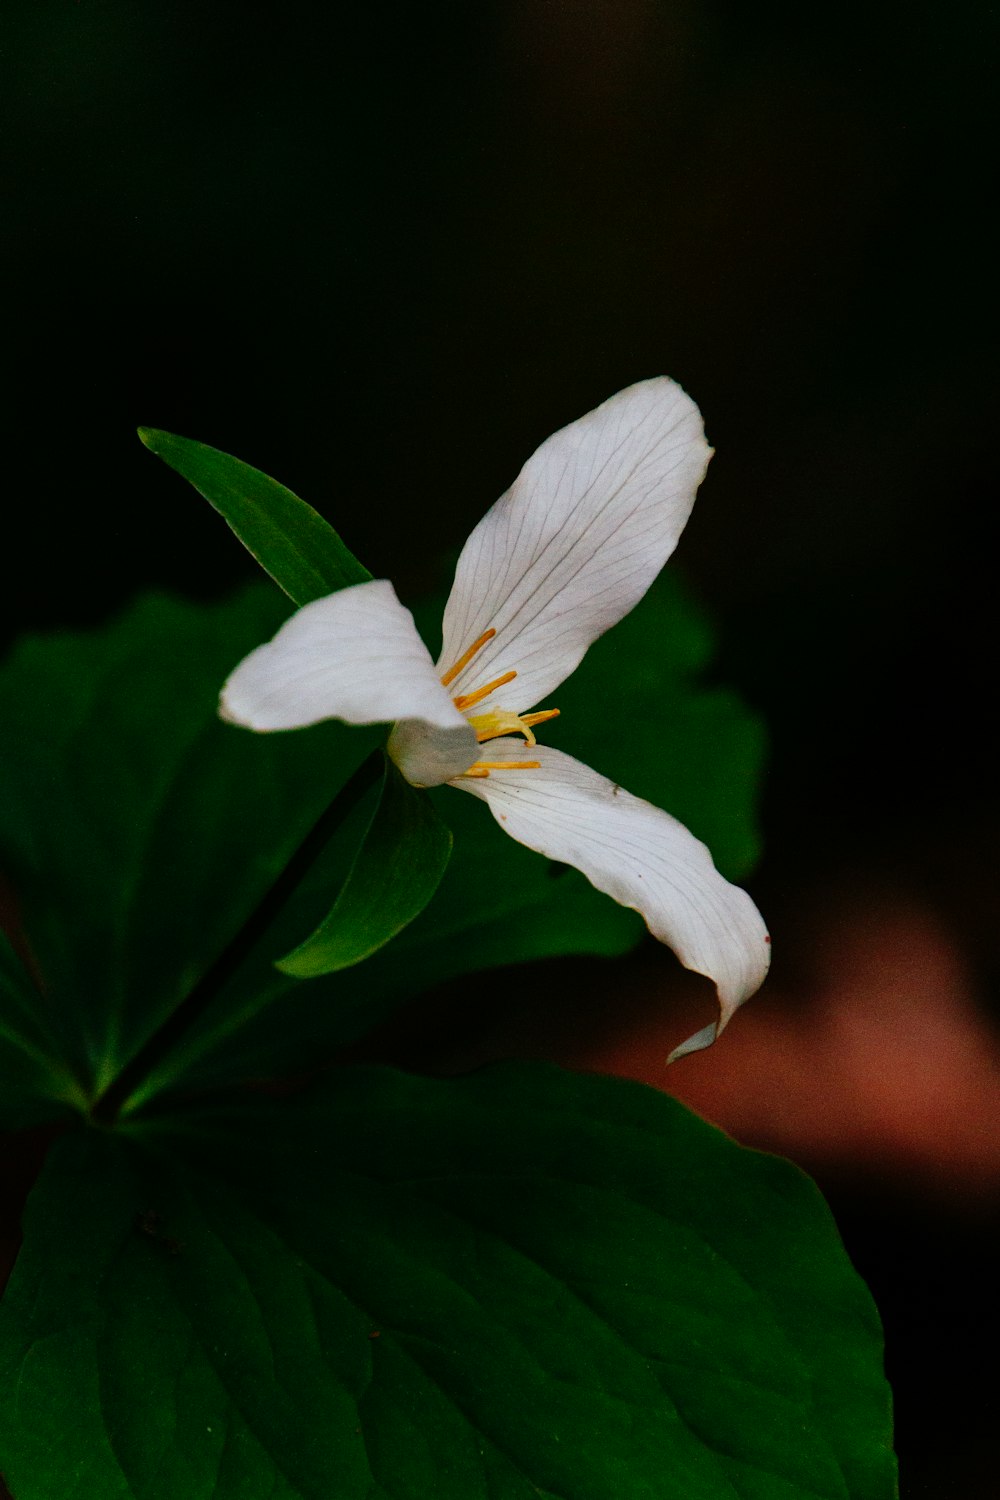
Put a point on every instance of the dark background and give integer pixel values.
(381, 251)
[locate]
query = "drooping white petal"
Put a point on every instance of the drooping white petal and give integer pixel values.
(640, 856)
(354, 655)
(575, 543)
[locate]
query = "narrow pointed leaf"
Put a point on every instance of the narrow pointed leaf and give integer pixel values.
(395, 873)
(515, 1284)
(290, 540)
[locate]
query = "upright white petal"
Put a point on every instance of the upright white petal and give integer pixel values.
(576, 541)
(640, 856)
(354, 655)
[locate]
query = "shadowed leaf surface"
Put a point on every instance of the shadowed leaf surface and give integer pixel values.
(519, 1283)
(137, 830)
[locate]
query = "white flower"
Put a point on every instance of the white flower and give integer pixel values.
(563, 556)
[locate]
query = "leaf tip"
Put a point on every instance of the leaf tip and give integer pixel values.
(288, 965)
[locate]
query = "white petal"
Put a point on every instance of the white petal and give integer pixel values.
(639, 855)
(354, 655)
(575, 543)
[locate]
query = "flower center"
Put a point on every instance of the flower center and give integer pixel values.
(496, 721)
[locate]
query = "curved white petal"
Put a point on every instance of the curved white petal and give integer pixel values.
(639, 855)
(354, 655)
(575, 543)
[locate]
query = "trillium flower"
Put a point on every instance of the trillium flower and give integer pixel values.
(565, 554)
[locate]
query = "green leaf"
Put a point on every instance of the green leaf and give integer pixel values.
(518, 1284)
(35, 1084)
(140, 832)
(498, 904)
(396, 871)
(290, 540)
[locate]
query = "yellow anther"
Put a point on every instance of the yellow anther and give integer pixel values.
(529, 720)
(466, 657)
(501, 721)
(509, 765)
(484, 767)
(469, 700)
(496, 721)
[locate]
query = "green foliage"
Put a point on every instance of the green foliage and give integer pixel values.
(33, 1078)
(396, 871)
(140, 833)
(497, 904)
(290, 540)
(137, 830)
(521, 1283)
(518, 1284)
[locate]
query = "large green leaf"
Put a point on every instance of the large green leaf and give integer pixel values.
(290, 540)
(523, 1283)
(139, 831)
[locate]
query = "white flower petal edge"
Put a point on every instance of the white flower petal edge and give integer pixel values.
(354, 655)
(640, 856)
(576, 541)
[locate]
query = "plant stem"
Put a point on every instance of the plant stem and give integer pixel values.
(270, 906)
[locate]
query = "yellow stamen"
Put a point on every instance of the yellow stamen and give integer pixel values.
(497, 722)
(509, 765)
(469, 700)
(463, 660)
(492, 732)
(484, 767)
(501, 721)
(529, 720)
